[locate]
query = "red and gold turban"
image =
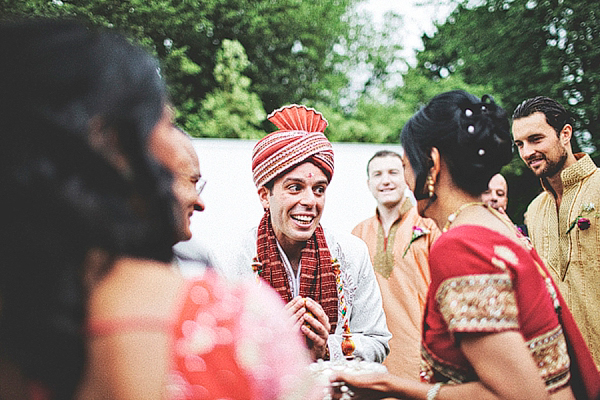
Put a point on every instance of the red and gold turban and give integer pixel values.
(300, 138)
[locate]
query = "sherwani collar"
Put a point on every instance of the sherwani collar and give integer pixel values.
(570, 176)
(405, 206)
(383, 261)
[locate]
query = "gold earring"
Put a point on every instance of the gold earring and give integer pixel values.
(430, 187)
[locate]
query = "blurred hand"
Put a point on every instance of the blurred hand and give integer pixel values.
(365, 386)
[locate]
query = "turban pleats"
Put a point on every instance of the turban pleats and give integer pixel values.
(300, 138)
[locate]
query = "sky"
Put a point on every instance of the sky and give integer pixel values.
(419, 17)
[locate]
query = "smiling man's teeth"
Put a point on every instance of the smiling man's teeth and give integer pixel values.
(303, 218)
(535, 161)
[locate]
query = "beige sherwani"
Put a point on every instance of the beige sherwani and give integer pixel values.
(573, 258)
(403, 281)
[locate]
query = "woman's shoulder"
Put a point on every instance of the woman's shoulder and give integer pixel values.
(135, 288)
(477, 235)
(476, 249)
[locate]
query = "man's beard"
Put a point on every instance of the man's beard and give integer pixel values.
(552, 167)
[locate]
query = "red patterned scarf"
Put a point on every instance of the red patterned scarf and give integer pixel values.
(317, 278)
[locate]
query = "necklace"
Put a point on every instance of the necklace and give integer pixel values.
(455, 214)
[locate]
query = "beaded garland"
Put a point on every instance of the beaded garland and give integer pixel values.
(257, 268)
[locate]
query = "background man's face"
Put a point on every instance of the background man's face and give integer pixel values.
(497, 194)
(386, 180)
(539, 145)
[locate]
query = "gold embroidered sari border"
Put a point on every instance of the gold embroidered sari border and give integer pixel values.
(549, 351)
(433, 370)
(483, 302)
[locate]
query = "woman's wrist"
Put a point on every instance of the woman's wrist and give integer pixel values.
(433, 392)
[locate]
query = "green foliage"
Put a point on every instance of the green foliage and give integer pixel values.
(521, 49)
(286, 41)
(376, 122)
(369, 53)
(492, 44)
(525, 48)
(419, 88)
(230, 110)
(371, 122)
(578, 29)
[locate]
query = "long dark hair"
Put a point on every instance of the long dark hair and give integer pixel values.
(472, 136)
(77, 106)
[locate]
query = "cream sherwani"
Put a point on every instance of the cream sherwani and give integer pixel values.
(404, 280)
(363, 298)
(573, 258)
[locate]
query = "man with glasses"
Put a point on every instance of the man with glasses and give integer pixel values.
(174, 150)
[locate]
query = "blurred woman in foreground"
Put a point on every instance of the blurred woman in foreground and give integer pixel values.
(494, 324)
(89, 306)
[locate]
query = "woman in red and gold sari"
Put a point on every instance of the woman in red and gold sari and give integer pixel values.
(495, 327)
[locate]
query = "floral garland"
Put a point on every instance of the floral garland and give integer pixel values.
(582, 222)
(340, 289)
(347, 344)
(417, 232)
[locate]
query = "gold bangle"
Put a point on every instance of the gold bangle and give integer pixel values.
(433, 392)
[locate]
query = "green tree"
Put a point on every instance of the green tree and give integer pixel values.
(500, 43)
(370, 55)
(525, 48)
(577, 25)
(419, 88)
(521, 49)
(229, 111)
(286, 41)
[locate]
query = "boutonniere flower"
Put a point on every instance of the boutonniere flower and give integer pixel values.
(581, 221)
(417, 232)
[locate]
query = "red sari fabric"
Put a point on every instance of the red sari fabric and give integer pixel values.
(235, 342)
(227, 342)
(481, 281)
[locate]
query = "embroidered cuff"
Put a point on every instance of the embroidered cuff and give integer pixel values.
(550, 354)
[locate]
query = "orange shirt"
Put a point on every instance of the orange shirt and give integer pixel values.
(403, 280)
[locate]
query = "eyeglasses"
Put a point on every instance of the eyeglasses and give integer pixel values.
(200, 185)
